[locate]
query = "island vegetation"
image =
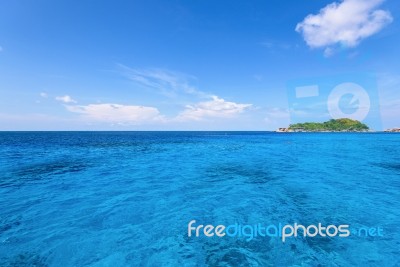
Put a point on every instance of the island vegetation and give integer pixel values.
(333, 125)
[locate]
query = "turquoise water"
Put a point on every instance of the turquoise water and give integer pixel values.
(125, 198)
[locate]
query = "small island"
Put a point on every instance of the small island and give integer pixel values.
(333, 125)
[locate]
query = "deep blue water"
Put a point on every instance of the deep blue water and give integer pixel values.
(125, 198)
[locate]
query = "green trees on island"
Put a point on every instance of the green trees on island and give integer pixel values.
(338, 125)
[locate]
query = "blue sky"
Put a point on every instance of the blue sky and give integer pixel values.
(187, 65)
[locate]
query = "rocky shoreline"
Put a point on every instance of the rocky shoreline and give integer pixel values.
(393, 130)
(289, 130)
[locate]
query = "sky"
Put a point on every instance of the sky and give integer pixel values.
(196, 65)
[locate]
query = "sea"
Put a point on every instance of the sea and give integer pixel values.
(127, 198)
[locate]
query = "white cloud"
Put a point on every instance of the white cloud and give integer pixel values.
(215, 108)
(43, 94)
(66, 99)
(135, 115)
(116, 113)
(346, 23)
(167, 82)
(329, 51)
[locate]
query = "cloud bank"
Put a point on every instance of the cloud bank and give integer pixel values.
(132, 114)
(204, 107)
